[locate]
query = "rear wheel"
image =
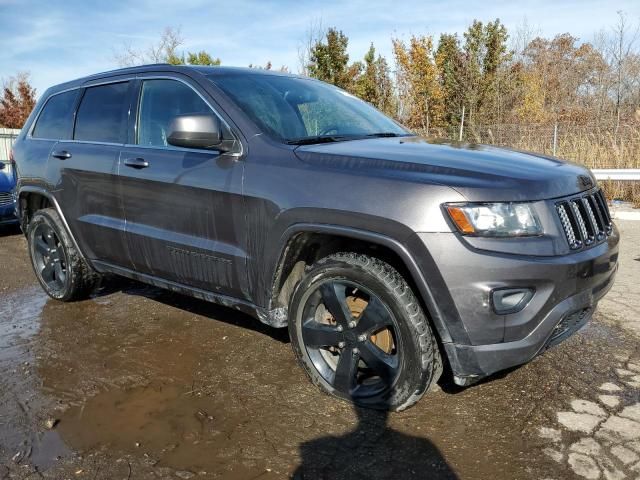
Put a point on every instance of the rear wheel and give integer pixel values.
(360, 334)
(63, 274)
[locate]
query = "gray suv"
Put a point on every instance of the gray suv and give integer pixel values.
(388, 257)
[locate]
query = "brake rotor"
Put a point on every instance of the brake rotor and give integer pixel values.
(381, 339)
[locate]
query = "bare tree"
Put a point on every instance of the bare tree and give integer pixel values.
(621, 46)
(164, 51)
(523, 35)
(315, 32)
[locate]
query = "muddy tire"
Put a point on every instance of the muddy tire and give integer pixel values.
(58, 266)
(360, 334)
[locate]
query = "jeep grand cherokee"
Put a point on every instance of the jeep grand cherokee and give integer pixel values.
(385, 254)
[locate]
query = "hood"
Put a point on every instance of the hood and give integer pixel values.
(7, 179)
(478, 172)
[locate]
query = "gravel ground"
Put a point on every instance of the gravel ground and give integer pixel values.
(141, 383)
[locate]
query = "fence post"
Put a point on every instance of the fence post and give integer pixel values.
(461, 125)
(555, 138)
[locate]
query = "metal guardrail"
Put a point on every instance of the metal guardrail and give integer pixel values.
(631, 174)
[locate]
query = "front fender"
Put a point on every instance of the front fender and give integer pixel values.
(406, 246)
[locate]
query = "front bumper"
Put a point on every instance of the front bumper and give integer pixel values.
(470, 363)
(567, 289)
(8, 214)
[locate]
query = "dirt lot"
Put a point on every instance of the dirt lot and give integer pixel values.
(141, 383)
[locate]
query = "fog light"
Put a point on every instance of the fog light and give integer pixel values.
(510, 300)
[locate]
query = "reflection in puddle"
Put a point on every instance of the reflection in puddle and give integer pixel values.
(47, 449)
(20, 318)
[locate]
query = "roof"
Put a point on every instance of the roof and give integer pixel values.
(165, 67)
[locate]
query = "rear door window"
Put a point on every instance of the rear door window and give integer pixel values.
(56, 120)
(102, 115)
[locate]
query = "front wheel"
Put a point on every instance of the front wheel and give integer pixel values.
(360, 333)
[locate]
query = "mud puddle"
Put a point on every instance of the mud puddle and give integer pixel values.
(148, 384)
(170, 427)
(20, 316)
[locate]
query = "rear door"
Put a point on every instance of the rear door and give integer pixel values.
(184, 209)
(88, 165)
(54, 122)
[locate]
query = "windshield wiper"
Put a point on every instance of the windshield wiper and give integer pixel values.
(340, 138)
(386, 134)
(317, 139)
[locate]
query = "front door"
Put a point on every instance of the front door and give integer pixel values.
(183, 207)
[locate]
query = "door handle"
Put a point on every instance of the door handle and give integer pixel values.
(61, 154)
(136, 163)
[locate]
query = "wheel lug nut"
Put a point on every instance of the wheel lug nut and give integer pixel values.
(362, 338)
(339, 328)
(352, 324)
(341, 345)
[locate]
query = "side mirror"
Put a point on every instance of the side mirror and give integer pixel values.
(195, 131)
(2, 167)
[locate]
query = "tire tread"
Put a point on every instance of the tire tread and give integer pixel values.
(430, 359)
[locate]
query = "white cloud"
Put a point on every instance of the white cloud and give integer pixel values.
(61, 40)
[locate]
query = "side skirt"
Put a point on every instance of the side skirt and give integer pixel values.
(223, 300)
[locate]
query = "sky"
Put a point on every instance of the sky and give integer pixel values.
(56, 41)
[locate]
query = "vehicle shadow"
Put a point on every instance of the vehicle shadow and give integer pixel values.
(10, 230)
(373, 450)
(449, 387)
(113, 284)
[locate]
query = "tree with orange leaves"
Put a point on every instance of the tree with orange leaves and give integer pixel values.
(18, 99)
(418, 81)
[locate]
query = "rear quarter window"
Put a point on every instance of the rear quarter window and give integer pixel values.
(102, 115)
(56, 119)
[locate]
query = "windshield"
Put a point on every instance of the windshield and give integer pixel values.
(295, 110)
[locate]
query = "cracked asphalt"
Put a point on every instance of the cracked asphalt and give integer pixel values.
(142, 383)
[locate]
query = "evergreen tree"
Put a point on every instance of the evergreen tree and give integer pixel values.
(449, 64)
(202, 58)
(329, 60)
(374, 84)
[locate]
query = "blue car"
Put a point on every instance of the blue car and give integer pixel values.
(7, 197)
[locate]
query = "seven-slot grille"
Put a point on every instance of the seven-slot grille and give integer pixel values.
(5, 199)
(585, 220)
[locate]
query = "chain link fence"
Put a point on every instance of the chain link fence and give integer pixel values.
(595, 146)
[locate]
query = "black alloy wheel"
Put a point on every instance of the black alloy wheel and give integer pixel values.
(49, 258)
(360, 333)
(350, 335)
(62, 272)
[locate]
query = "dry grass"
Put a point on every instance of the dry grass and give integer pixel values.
(593, 146)
(621, 190)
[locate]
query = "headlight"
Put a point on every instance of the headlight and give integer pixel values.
(495, 219)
